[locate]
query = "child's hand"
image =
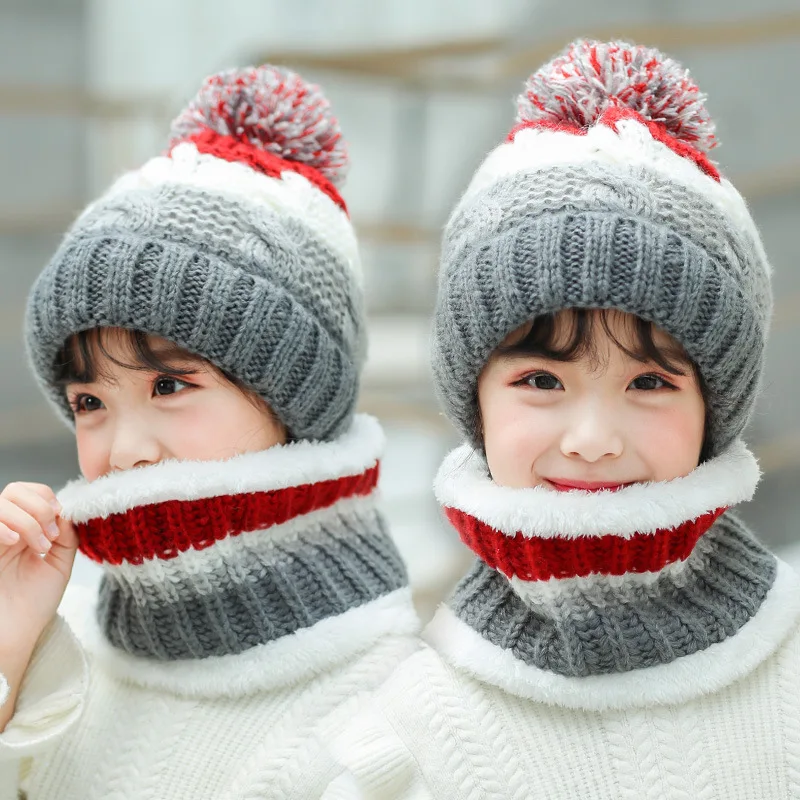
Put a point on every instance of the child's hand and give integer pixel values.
(37, 551)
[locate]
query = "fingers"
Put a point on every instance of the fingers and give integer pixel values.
(28, 512)
(19, 525)
(62, 554)
(68, 536)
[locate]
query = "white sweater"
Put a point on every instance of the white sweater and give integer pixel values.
(308, 604)
(86, 728)
(464, 737)
(601, 687)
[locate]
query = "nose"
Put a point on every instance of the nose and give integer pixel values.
(133, 444)
(592, 436)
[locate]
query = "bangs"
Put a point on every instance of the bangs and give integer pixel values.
(85, 358)
(80, 359)
(569, 336)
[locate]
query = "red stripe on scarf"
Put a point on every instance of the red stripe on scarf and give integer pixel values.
(540, 559)
(163, 530)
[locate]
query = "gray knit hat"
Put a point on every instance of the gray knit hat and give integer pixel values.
(235, 245)
(603, 197)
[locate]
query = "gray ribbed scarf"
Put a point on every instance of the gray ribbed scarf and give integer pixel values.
(585, 584)
(213, 558)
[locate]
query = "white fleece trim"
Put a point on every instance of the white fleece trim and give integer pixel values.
(681, 680)
(290, 659)
(278, 467)
(463, 483)
(631, 145)
(292, 195)
(238, 553)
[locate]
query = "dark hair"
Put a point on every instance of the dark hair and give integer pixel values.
(77, 362)
(548, 339)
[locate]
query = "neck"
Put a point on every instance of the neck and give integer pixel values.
(582, 584)
(207, 559)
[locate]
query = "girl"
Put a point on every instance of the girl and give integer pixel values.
(202, 329)
(602, 315)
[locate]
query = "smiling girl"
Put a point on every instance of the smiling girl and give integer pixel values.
(202, 330)
(602, 315)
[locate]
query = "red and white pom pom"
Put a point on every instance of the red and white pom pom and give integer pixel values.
(272, 109)
(589, 77)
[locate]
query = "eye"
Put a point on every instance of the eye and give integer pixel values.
(543, 380)
(166, 385)
(83, 403)
(649, 383)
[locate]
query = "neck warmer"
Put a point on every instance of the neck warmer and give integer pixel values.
(217, 558)
(583, 584)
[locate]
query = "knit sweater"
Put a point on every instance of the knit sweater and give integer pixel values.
(243, 605)
(627, 645)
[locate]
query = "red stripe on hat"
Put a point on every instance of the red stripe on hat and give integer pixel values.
(540, 559)
(610, 117)
(163, 530)
(230, 149)
(544, 124)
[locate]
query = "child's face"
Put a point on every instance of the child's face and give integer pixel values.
(591, 423)
(131, 418)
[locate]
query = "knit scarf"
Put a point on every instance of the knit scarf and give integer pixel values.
(215, 558)
(583, 584)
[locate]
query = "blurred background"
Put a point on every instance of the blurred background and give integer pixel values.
(423, 90)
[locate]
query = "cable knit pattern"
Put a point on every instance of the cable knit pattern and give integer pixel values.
(141, 742)
(790, 700)
(284, 766)
(730, 743)
(665, 686)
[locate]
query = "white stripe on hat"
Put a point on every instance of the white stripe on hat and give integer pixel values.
(630, 145)
(292, 195)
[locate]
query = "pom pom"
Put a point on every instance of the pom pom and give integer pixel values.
(589, 77)
(272, 109)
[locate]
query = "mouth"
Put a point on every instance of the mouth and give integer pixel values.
(584, 486)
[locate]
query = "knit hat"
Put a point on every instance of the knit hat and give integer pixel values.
(603, 196)
(235, 244)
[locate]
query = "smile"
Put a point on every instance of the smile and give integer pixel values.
(584, 486)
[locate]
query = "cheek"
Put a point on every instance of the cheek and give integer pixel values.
(515, 434)
(221, 427)
(93, 453)
(671, 440)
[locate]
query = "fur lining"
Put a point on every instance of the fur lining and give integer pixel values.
(5, 690)
(679, 681)
(279, 467)
(463, 483)
(290, 659)
(292, 195)
(631, 145)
